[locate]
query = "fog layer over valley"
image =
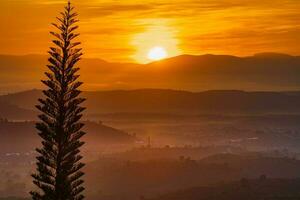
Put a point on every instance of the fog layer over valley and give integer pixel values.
(147, 143)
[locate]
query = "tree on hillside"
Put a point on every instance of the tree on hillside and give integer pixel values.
(59, 175)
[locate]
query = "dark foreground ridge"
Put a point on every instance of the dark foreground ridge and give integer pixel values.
(158, 101)
(261, 189)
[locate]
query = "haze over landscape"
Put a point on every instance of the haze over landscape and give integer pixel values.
(185, 100)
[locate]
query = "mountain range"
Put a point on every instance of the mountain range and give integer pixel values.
(264, 71)
(158, 101)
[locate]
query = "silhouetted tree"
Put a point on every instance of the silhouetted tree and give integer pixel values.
(59, 174)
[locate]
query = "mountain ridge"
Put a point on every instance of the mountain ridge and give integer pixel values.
(170, 101)
(264, 71)
(260, 54)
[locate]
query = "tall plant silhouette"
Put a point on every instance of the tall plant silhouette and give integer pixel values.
(59, 175)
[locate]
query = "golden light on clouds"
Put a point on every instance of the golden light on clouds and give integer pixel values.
(158, 37)
(125, 31)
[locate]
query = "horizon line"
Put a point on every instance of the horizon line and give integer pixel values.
(171, 57)
(163, 89)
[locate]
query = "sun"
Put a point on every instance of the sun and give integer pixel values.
(157, 53)
(158, 40)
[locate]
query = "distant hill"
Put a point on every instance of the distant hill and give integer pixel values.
(15, 112)
(155, 101)
(150, 178)
(271, 189)
(266, 71)
(24, 136)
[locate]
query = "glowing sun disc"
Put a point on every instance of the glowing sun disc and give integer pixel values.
(157, 53)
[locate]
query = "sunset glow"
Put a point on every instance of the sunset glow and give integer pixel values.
(121, 31)
(158, 41)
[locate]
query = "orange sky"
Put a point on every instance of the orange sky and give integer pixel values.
(122, 31)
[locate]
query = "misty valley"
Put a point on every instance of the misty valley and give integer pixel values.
(154, 151)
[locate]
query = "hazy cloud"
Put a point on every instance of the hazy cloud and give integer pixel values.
(202, 26)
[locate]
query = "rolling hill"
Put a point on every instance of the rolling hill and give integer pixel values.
(22, 136)
(158, 101)
(271, 189)
(266, 71)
